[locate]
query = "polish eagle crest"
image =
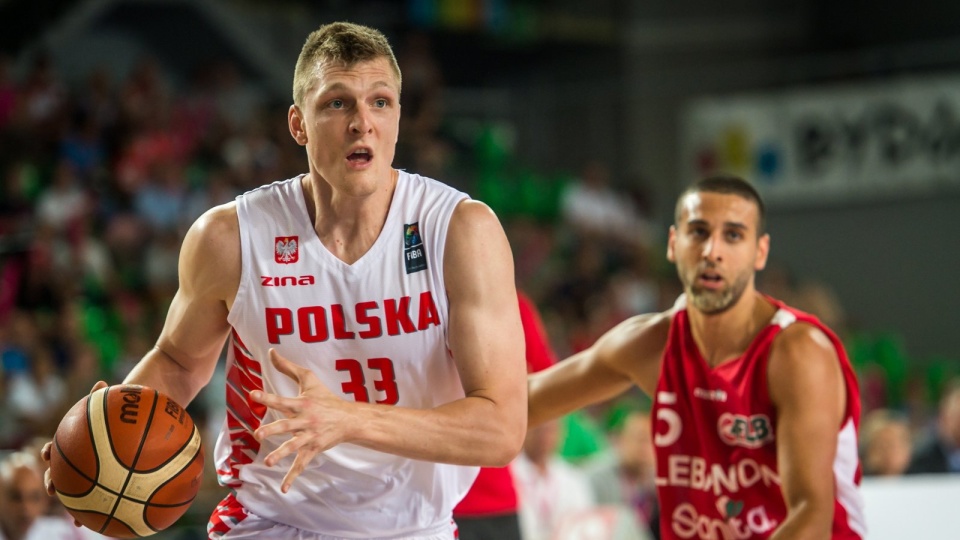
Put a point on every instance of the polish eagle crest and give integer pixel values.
(287, 249)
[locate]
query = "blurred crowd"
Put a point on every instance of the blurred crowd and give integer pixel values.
(99, 180)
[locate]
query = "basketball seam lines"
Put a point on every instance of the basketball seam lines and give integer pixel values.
(120, 497)
(198, 454)
(93, 437)
(63, 456)
(172, 457)
(158, 505)
(143, 438)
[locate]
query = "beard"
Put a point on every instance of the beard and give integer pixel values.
(715, 301)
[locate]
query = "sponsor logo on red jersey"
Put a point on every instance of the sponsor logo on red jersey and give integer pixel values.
(686, 522)
(286, 249)
(751, 431)
(710, 395)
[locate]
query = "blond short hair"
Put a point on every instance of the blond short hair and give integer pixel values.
(342, 43)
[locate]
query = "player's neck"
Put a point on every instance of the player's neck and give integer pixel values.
(347, 225)
(727, 335)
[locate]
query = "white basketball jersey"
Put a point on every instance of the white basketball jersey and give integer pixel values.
(372, 331)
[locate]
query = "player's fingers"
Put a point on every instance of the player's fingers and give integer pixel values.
(309, 383)
(287, 425)
(299, 464)
(48, 483)
(307, 380)
(291, 446)
(98, 386)
(46, 451)
(287, 406)
(285, 366)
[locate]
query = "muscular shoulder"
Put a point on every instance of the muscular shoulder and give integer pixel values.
(214, 236)
(219, 222)
(639, 332)
(476, 243)
(802, 341)
(801, 354)
(635, 347)
(472, 217)
(210, 256)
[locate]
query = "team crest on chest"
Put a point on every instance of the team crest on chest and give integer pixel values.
(414, 255)
(286, 249)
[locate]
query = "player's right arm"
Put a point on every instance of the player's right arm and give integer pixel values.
(183, 360)
(628, 354)
(185, 356)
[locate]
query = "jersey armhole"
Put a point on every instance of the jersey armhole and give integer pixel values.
(458, 197)
(245, 264)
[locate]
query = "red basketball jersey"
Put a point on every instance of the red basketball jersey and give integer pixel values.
(715, 441)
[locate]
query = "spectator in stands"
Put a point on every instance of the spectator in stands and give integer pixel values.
(43, 99)
(625, 475)
(596, 210)
(885, 443)
(549, 489)
(941, 452)
(64, 201)
(36, 396)
(24, 502)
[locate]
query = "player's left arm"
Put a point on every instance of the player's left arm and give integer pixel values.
(807, 388)
(486, 427)
(486, 338)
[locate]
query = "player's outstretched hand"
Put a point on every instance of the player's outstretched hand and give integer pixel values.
(315, 419)
(48, 448)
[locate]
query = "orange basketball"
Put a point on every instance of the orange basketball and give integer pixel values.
(126, 461)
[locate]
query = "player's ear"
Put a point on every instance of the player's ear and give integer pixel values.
(297, 125)
(671, 239)
(763, 251)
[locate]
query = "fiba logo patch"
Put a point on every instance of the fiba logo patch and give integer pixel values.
(414, 255)
(286, 249)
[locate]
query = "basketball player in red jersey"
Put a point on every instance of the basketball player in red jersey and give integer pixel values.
(755, 405)
(374, 344)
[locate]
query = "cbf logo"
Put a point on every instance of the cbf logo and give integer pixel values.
(748, 431)
(286, 249)
(414, 256)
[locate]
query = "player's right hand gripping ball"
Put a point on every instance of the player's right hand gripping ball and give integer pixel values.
(127, 461)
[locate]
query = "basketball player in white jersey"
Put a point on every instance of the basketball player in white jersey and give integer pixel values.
(375, 351)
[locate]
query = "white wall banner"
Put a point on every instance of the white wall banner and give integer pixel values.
(894, 137)
(921, 506)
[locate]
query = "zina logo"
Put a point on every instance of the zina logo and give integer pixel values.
(285, 281)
